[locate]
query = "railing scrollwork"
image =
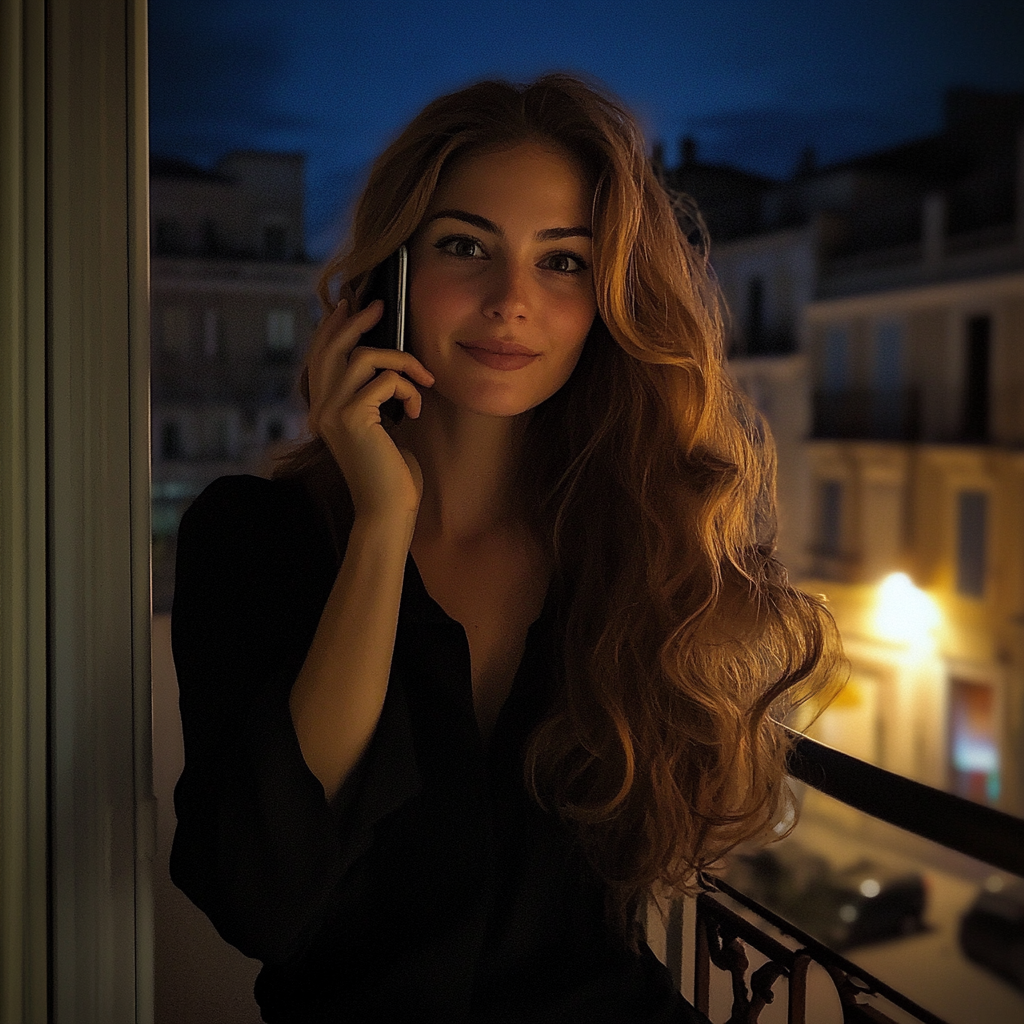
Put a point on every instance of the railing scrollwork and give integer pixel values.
(722, 939)
(725, 926)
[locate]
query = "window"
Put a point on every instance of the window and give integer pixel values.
(888, 412)
(976, 378)
(972, 528)
(175, 330)
(974, 754)
(211, 333)
(280, 335)
(835, 362)
(830, 517)
(888, 356)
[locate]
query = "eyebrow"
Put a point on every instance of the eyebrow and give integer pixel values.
(547, 235)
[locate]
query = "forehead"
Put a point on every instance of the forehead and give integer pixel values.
(532, 178)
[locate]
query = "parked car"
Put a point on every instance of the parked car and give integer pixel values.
(992, 929)
(842, 907)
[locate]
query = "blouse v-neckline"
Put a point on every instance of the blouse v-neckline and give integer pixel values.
(423, 608)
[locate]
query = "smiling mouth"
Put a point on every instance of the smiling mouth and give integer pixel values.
(499, 355)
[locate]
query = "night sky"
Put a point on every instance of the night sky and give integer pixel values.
(753, 81)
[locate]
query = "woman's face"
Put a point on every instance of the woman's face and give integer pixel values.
(501, 293)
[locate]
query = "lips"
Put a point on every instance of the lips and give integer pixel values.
(499, 355)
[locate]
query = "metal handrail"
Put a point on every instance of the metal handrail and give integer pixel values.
(810, 948)
(981, 832)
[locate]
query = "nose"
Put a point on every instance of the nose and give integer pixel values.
(507, 299)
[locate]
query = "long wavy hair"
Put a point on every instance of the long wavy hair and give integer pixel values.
(650, 479)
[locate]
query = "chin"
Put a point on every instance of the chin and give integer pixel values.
(497, 408)
(502, 402)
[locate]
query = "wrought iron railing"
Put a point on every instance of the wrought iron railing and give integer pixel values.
(725, 930)
(892, 414)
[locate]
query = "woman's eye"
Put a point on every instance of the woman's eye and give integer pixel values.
(464, 248)
(564, 263)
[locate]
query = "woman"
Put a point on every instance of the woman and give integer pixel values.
(460, 692)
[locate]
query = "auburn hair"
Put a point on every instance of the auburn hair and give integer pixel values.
(650, 479)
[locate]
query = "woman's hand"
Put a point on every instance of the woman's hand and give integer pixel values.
(348, 383)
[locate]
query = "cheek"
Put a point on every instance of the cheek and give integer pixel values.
(572, 350)
(434, 304)
(574, 327)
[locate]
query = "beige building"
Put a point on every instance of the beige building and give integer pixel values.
(877, 321)
(767, 279)
(917, 467)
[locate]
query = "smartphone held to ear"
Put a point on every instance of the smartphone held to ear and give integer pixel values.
(388, 282)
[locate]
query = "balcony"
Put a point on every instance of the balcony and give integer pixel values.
(865, 414)
(755, 951)
(731, 955)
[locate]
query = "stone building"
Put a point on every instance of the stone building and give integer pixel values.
(916, 354)
(232, 311)
(877, 319)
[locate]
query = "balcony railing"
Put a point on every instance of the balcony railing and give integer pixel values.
(729, 923)
(864, 414)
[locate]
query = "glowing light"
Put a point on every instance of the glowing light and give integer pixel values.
(975, 754)
(905, 614)
(848, 913)
(869, 887)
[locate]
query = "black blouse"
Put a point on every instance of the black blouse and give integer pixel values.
(433, 888)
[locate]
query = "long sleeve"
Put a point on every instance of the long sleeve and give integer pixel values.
(434, 887)
(257, 847)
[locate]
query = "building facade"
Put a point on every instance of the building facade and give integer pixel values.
(877, 320)
(232, 311)
(916, 461)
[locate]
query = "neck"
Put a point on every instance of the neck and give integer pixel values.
(469, 463)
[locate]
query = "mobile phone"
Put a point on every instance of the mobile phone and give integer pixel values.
(388, 282)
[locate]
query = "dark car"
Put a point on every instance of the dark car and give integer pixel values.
(992, 930)
(865, 902)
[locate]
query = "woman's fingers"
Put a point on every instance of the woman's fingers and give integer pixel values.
(339, 366)
(348, 383)
(366, 366)
(351, 328)
(366, 362)
(339, 333)
(389, 384)
(369, 377)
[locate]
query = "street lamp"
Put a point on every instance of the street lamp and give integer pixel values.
(905, 614)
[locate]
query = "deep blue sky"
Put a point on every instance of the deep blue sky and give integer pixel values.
(754, 81)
